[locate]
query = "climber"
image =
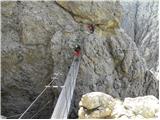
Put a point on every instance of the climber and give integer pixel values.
(91, 28)
(77, 50)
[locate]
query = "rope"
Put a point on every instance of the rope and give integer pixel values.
(41, 109)
(14, 115)
(34, 101)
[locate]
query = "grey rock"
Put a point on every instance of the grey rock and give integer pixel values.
(37, 46)
(140, 22)
(27, 66)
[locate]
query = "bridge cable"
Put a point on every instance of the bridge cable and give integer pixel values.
(41, 109)
(14, 115)
(35, 100)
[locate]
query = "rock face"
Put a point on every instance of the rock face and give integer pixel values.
(37, 45)
(97, 13)
(140, 22)
(27, 65)
(146, 106)
(100, 105)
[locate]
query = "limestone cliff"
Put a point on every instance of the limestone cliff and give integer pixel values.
(37, 46)
(140, 22)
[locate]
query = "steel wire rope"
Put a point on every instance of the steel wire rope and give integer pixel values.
(14, 115)
(41, 109)
(35, 100)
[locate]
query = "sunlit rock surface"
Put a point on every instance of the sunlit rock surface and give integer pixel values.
(97, 105)
(105, 106)
(106, 16)
(140, 22)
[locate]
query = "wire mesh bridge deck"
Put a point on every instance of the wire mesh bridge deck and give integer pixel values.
(62, 107)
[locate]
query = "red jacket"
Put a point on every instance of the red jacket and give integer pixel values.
(91, 28)
(77, 53)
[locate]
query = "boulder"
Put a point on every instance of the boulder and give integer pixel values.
(101, 105)
(146, 106)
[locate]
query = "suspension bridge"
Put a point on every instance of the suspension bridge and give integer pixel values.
(62, 107)
(63, 104)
